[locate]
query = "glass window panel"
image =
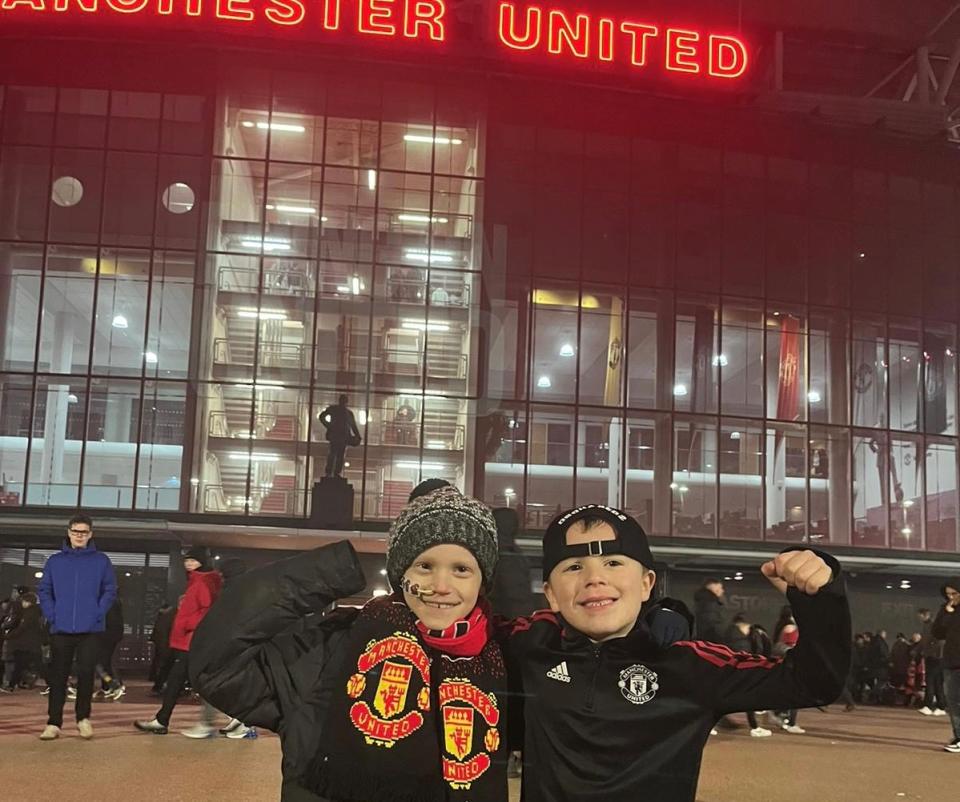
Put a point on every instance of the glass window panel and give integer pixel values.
(59, 415)
(554, 367)
(25, 178)
(121, 316)
(941, 504)
(226, 413)
(77, 221)
(502, 436)
(343, 343)
(237, 210)
(293, 208)
(828, 396)
(67, 310)
(112, 422)
(451, 289)
(281, 335)
(506, 352)
(134, 121)
(455, 201)
(940, 379)
(131, 197)
(28, 114)
(405, 221)
(352, 143)
(830, 483)
(906, 493)
(694, 482)
(183, 128)
(697, 357)
(459, 113)
(82, 118)
(347, 281)
(741, 471)
(445, 422)
(181, 185)
(870, 489)
(349, 196)
(162, 435)
(15, 396)
(20, 268)
(741, 359)
(397, 351)
(170, 321)
(648, 472)
(244, 125)
(408, 146)
(869, 371)
(549, 487)
(648, 315)
(600, 458)
(601, 349)
(447, 352)
(787, 394)
(786, 484)
(296, 128)
(906, 367)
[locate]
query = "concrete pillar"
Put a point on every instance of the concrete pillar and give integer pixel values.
(117, 420)
(58, 400)
(614, 467)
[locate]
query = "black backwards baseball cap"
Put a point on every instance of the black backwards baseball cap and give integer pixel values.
(631, 540)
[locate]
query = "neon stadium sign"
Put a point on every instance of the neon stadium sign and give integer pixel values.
(537, 32)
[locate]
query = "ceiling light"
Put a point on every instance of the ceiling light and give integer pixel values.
(734, 435)
(371, 180)
(436, 444)
(266, 244)
(120, 322)
(151, 358)
(263, 126)
(544, 382)
(380, 592)
(908, 502)
(422, 325)
(566, 350)
(426, 466)
(440, 140)
(355, 284)
(720, 360)
(509, 491)
(680, 390)
(420, 218)
(383, 572)
(262, 314)
(362, 417)
(72, 399)
(282, 207)
(239, 455)
(814, 397)
(906, 531)
(432, 257)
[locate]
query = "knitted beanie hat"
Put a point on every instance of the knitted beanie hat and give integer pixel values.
(443, 516)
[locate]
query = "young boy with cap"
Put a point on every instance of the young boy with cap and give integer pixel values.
(400, 701)
(611, 714)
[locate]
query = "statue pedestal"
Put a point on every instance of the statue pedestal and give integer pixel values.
(332, 503)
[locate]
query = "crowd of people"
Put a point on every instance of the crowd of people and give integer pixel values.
(422, 694)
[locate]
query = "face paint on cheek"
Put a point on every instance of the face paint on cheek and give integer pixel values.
(415, 590)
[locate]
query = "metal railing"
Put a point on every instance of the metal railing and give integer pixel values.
(264, 427)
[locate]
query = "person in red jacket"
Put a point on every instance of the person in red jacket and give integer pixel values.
(203, 587)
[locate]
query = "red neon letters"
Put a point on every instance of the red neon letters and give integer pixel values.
(527, 27)
(534, 29)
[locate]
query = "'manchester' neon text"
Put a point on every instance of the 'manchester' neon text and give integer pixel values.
(518, 29)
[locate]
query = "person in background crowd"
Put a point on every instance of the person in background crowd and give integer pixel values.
(111, 685)
(786, 638)
(21, 646)
(163, 657)
(203, 588)
(879, 659)
(946, 627)
(235, 729)
(77, 589)
(931, 652)
(711, 620)
(740, 639)
(899, 662)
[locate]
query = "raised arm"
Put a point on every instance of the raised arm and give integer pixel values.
(234, 662)
(813, 672)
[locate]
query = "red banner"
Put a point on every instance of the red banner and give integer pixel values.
(788, 384)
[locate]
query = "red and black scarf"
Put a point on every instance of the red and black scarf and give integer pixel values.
(415, 715)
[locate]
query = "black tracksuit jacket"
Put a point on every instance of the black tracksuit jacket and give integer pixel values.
(626, 720)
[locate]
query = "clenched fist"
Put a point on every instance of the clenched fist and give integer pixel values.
(802, 570)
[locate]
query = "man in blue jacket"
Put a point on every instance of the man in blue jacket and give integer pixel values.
(76, 591)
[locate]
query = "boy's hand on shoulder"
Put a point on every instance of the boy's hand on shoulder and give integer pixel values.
(803, 570)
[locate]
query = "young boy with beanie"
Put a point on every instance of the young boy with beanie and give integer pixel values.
(611, 713)
(400, 701)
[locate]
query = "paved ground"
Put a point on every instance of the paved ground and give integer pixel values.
(870, 755)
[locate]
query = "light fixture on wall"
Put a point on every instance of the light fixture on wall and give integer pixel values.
(544, 382)
(120, 322)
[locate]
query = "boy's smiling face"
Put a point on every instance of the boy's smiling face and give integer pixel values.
(600, 596)
(454, 576)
